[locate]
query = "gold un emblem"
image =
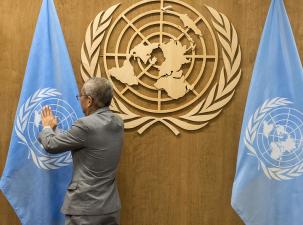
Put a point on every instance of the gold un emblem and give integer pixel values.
(163, 59)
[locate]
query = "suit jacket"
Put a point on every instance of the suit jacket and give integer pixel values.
(95, 142)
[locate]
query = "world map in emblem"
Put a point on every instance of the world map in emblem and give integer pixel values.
(279, 138)
(170, 74)
(153, 61)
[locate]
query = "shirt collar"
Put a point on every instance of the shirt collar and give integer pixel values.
(101, 110)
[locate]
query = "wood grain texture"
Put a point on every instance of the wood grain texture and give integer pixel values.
(163, 179)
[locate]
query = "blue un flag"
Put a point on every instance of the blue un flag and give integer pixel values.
(33, 181)
(268, 186)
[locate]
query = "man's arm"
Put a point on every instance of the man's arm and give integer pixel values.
(55, 143)
(60, 142)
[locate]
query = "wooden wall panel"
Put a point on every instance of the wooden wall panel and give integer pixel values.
(163, 179)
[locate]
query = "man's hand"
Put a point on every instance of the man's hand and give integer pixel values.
(48, 118)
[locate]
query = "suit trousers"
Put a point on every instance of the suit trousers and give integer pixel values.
(105, 219)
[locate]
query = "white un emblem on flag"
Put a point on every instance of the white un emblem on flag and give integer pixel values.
(28, 126)
(274, 137)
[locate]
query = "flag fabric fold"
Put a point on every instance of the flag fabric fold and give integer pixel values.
(267, 189)
(34, 181)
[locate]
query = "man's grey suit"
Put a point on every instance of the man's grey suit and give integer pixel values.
(95, 142)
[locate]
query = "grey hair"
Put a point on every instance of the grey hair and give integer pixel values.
(100, 89)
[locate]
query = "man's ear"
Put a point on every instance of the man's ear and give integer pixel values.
(90, 100)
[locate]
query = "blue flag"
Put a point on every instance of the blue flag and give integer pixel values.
(33, 181)
(268, 186)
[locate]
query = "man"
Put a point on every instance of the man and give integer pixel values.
(95, 142)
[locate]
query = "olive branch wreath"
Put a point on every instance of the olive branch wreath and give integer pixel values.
(209, 107)
(250, 136)
(22, 117)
